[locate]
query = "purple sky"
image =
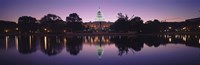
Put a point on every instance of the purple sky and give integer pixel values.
(174, 10)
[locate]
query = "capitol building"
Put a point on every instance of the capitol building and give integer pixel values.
(99, 25)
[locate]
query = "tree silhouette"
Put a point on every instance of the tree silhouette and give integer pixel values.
(27, 24)
(124, 24)
(53, 47)
(51, 23)
(152, 26)
(73, 18)
(74, 45)
(74, 23)
(121, 24)
(7, 27)
(27, 44)
(126, 44)
(136, 24)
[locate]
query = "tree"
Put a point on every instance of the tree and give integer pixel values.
(7, 27)
(74, 23)
(152, 26)
(124, 24)
(74, 45)
(121, 24)
(27, 24)
(50, 18)
(136, 24)
(51, 23)
(73, 18)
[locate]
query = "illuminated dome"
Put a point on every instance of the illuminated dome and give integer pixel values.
(99, 16)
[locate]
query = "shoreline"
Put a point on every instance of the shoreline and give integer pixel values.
(105, 34)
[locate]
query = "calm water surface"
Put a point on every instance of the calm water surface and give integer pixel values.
(100, 50)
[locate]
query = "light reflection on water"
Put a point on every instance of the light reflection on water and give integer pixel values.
(199, 40)
(108, 49)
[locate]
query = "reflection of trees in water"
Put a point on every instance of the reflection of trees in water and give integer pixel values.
(126, 44)
(152, 40)
(51, 45)
(74, 45)
(27, 44)
(7, 42)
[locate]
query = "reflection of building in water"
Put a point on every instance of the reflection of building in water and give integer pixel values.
(99, 42)
(97, 39)
(100, 51)
(99, 25)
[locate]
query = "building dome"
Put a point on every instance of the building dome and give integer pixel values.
(99, 16)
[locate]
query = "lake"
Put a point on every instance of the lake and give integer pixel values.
(100, 50)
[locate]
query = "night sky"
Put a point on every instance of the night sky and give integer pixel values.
(174, 10)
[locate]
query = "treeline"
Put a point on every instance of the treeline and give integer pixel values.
(51, 23)
(136, 24)
(7, 26)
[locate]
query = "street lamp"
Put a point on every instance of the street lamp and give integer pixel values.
(170, 27)
(6, 30)
(45, 29)
(16, 29)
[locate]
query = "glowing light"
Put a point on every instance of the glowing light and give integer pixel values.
(30, 41)
(177, 36)
(170, 27)
(103, 39)
(184, 38)
(184, 28)
(48, 31)
(65, 41)
(195, 36)
(170, 39)
(199, 26)
(96, 39)
(16, 29)
(107, 41)
(45, 42)
(91, 39)
(85, 39)
(199, 40)
(165, 36)
(6, 30)
(45, 29)
(16, 41)
(7, 42)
